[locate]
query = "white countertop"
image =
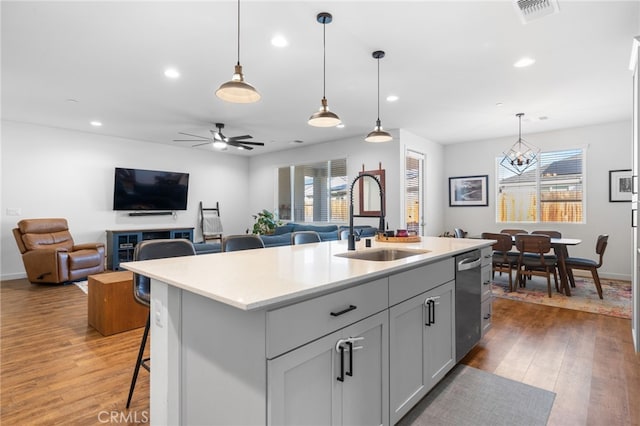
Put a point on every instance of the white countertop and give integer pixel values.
(265, 278)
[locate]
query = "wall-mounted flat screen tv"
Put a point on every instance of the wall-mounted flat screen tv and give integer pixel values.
(136, 189)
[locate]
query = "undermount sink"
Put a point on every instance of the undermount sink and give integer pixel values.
(383, 254)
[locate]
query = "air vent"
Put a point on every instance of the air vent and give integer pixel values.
(528, 10)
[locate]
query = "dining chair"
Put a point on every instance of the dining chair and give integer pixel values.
(305, 237)
(146, 250)
(513, 231)
(241, 242)
(503, 259)
(588, 264)
(532, 260)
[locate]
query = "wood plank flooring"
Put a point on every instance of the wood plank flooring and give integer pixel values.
(55, 369)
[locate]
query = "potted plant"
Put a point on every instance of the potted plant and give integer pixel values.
(266, 223)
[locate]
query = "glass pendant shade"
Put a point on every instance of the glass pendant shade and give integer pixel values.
(323, 117)
(237, 90)
(378, 134)
(522, 155)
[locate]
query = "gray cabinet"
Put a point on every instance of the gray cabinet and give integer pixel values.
(339, 379)
(421, 346)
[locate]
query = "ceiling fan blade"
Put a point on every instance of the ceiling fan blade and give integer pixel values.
(187, 140)
(195, 136)
(251, 143)
(200, 144)
(236, 138)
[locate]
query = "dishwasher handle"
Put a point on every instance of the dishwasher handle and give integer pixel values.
(469, 263)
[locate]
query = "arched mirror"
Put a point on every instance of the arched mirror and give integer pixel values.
(369, 193)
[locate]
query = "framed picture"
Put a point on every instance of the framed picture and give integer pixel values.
(620, 186)
(467, 191)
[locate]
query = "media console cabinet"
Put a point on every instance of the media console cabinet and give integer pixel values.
(122, 242)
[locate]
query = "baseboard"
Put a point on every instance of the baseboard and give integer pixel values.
(15, 276)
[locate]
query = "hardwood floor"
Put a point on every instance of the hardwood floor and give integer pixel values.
(55, 369)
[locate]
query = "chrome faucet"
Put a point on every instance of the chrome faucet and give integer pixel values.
(352, 236)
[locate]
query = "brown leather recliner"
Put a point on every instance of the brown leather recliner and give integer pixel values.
(50, 255)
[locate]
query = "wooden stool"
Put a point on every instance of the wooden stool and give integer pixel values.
(111, 306)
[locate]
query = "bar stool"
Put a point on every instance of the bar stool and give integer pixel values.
(146, 250)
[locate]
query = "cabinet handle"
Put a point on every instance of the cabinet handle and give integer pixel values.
(349, 309)
(487, 316)
(431, 312)
(350, 372)
(341, 376)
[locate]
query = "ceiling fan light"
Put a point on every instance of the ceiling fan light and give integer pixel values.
(219, 144)
(323, 117)
(237, 90)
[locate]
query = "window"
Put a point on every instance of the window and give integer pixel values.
(318, 192)
(551, 191)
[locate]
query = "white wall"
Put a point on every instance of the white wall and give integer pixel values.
(357, 152)
(608, 148)
(49, 172)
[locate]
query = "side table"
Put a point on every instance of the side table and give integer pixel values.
(111, 306)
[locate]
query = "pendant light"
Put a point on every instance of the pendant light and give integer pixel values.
(323, 117)
(237, 90)
(521, 155)
(378, 134)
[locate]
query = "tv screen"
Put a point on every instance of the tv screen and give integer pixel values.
(136, 189)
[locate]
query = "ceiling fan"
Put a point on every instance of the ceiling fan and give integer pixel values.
(221, 141)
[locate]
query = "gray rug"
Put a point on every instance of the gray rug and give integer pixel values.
(468, 396)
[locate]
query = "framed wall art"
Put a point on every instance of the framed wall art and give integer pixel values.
(468, 191)
(620, 186)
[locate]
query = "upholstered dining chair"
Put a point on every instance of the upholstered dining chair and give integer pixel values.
(50, 255)
(304, 237)
(532, 259)
(588, 264)
(241, 242)
(146, 250)
(503, 259)
(513, 231)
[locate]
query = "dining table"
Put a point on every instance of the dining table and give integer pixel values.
(560, 249)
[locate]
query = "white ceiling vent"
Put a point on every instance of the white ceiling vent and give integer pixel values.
(529, 10)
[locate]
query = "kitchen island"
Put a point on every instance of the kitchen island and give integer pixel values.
(298, 333)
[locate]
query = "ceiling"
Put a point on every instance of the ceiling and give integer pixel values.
(65, 64)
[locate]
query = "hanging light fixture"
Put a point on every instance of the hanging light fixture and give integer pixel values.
(378, 134)
(237, 90)
(522, 154)
(323, 117)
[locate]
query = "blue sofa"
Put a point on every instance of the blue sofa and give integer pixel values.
(282, 235)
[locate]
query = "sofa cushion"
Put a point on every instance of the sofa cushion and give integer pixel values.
(317, 228)
(284, 229)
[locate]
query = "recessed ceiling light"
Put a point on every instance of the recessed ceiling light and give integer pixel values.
(279, 41)
(171, 73)
(499, 104)
(524, 62)
(96, 123)
(392, 98)
(340, 126)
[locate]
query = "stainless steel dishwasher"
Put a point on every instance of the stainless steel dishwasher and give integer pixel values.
(468, 298)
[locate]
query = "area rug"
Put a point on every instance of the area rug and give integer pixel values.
(468, 396)
(83, 285)
(584, 297)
